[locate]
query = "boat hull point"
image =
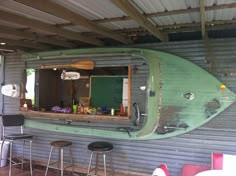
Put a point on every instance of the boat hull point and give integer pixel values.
(181, 96)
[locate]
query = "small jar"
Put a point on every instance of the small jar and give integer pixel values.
(112, 111)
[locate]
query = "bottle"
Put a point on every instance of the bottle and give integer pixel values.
(25, 106)
(112, 111)
(73, 101)
(74, 106)
(121, 109)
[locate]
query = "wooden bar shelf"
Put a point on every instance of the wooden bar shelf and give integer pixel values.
(72, 116)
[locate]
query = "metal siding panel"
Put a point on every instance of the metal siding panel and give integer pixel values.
(143, 156)
(1, 80)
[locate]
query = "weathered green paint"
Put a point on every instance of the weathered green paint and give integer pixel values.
(170, 78)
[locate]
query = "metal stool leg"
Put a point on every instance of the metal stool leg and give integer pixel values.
(96, 165)
(61, 154)
(59, 162)
(22, 161)
(2, 145)
(90, 161)
(104, 160)
(10, 160)
(31, 169)
(49, 161)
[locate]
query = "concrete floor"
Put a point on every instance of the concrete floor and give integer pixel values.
(37, 171)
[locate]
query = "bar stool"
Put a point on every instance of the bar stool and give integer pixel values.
(60, 144)
(16, 120)
(100, 147)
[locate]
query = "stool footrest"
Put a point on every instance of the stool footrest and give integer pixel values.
(21, 161)
(66, 165)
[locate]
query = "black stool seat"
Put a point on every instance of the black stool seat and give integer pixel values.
(100, 146)
(18, 136)
(61, 143)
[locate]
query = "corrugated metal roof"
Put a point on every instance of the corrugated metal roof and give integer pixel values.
(153, 6)
(120, 24)
(101, 9)
(108, 15)
(223, 14)
(92, 9)
(20, 9)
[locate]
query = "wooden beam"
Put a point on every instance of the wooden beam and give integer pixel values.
(221, 27)
(182, 27)
(38, 25)
(129, 9)
(76, 19)
(25, 44)
(31, 36)
(203, 18)
(8, 48)
(167, 13)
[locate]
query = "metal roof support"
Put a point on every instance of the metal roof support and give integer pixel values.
(76, 19)
(130, 10)
(203, 18)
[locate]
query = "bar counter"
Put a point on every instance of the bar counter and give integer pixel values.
(72, 116)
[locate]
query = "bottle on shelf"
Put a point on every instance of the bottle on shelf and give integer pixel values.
(74, 105)
(121, 109)
(25, 106)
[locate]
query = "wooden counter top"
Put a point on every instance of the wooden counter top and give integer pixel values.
(71, 116)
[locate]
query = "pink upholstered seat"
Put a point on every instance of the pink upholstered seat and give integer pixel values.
(161, 170)
(193, 169)
(223, 161)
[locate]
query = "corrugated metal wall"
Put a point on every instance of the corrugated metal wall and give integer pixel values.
(216, 56)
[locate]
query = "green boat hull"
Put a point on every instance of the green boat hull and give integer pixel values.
(181, 96)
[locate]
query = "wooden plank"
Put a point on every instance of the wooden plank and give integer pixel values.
(71, 116)
(31, 36)
(10, 48)
(38, 25)
(139, 18)
(203, 18)
(23, 43)
(76, 19)
(185, 27)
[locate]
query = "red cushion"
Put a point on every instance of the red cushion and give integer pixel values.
(223, 161)
(164, 168)
(161, 170)
(217, 161)
(193, 169)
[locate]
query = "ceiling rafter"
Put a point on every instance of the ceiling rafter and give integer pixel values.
(23, 43)
(182, 27)
(35, 24)
(76, 19)
(130, 10)
(203, 18)
(198, 28)
(165, 13)
(10, 48)
(31, 36)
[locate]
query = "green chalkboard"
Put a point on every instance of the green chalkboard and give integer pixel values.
(106, 91)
